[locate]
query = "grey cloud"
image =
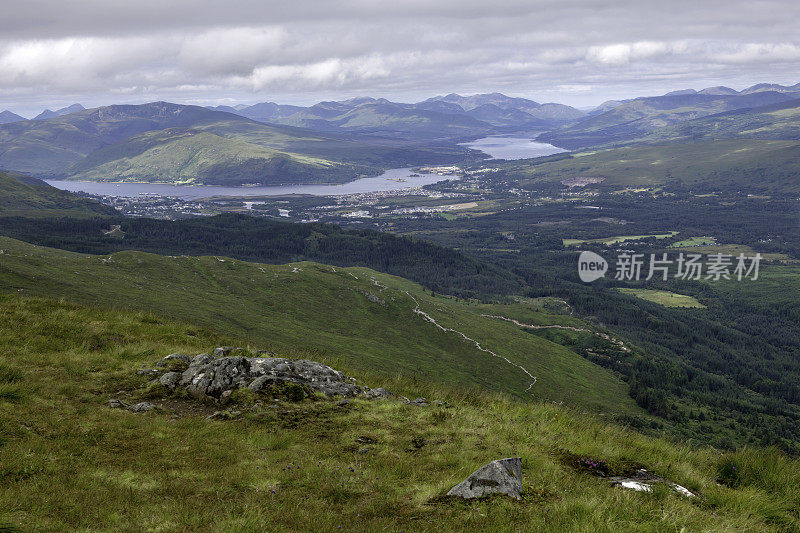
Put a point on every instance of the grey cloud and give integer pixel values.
(99, 51)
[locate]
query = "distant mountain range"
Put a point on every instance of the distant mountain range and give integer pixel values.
(441, 117)
(337, 141)
(623, 122)
(164, 142)
(47, 113)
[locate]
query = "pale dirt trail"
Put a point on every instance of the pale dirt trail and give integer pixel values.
(558, 326)
(418, 310)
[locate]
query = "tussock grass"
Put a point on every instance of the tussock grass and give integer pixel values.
(68, 462)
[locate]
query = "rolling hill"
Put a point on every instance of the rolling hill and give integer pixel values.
(633, 119)
(22, 195)
(189, 144)
(754, 166)
(358, 316)
(776, 121)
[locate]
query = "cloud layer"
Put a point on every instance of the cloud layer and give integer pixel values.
(580, 52)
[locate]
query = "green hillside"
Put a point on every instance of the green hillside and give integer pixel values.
(342, 313)
(303, 465)
(197, 156)
(160, 141)
(21, 195)
(638, 117)
(778, 121)
(756, 166)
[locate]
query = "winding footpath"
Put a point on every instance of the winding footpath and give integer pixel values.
(418, 310)
(605, 336)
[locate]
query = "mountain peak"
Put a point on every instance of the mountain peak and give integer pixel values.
(7, 117)
(48, 113)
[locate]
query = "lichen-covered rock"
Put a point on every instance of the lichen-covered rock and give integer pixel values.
(207, 378)
(170, 380)
(174, 358)
(378, 393)
(142, 407)
(419, 402)
(503, 476)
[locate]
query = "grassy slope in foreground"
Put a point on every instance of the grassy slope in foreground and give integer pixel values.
(334, 311)
(68, 462)
(751, 165)
(22, 195)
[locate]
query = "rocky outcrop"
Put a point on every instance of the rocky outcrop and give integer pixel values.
(503, 476)
(216, 377)
(208, 378)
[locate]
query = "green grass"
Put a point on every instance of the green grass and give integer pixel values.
(730, 249)
(336, 312)
(68, 462)
(665, 298)
(694, 241)
(616, 240)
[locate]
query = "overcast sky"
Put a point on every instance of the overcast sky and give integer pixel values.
(96, 52)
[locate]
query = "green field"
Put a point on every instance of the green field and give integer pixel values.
(616, 240)
(694, 241)
(729, 249)
(298, 466)
(339, 313)
(665, 298)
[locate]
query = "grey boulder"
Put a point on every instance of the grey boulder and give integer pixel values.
(170, 380)
(209, 378)
(174, 358)
(142, 407)
(503, 476)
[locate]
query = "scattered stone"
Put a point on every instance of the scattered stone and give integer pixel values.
(143, 407)
(170, 380)
(117, 404)
(643, 481)
(224, 351)
(364, 450)
(342, 403)
(174, 358)
(419, 402)
(223, 415)
(374, 394)
(503, 476)
(365, 440)
(149, 372)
